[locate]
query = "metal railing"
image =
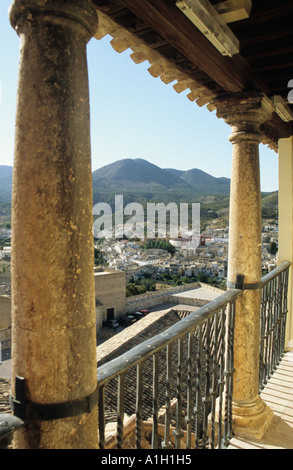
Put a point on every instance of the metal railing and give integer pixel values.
(273, 316)
(189, 365)
(8, 425)
(181, 380)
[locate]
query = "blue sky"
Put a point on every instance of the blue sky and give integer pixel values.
(133, 115)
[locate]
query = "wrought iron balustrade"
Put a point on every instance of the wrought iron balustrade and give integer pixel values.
(273, 317)
(8, 425)
(189, 365)
(180, 382)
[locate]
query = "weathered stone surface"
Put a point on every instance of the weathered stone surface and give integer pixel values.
(245, 112)
(53, 311)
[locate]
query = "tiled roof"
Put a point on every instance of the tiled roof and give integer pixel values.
(144, 331)
(4, 395)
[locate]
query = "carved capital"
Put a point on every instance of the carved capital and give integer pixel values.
(245, 113)
(24, 13)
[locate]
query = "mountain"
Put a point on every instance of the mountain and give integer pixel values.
(5, 183)
(136, 174)
(143, 179)
(202, 182)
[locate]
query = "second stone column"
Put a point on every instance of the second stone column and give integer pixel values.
(245, 113)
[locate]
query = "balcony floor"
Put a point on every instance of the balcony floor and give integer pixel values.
(278, 394)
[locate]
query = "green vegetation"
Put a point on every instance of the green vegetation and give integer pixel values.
(148, 284)
(159, 244)
(140, 286)
(6, 225)
(272, 248)
(178, 280)
(5, 214)
(99, 260)
(4, 242)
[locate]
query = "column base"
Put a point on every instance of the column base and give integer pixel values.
(251, 419)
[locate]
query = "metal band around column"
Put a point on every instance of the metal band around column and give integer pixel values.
(240, 284)
(24, 409)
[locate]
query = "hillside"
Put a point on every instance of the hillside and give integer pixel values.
(137, 172)
(203, 183)
(139, 175)
(140, 181)
(5, 183)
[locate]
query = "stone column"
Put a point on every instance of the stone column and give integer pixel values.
(245, 113)
(53, 311)
(285, 252)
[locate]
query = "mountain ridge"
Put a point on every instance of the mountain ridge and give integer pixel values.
(5, 183)
(141, 181)
(139, 175)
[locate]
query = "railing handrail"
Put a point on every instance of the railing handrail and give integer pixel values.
(149, 347)
(275, 272)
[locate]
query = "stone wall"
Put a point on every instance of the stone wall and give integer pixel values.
(110, 293)
(190, 301)
(150, 299)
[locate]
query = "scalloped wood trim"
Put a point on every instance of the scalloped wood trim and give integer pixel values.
(161, 67)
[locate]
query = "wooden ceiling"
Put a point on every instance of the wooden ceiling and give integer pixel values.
(265, 61)
(266, 43)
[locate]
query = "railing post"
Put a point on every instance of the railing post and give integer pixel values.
(245, 112)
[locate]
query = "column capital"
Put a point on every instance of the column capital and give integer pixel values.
(26, 12)
(244, 112)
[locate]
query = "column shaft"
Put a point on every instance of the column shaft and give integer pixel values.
(285, 252)
(245, 113)
(245, 259)
(53, 312)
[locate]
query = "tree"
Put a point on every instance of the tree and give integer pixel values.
(140, 286)
(98, 258)
(159, 244)
(273, 248)
(202, 277)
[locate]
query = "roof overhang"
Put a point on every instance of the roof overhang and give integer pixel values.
(157, 31)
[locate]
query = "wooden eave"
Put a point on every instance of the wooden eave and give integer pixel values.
(157, 31)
